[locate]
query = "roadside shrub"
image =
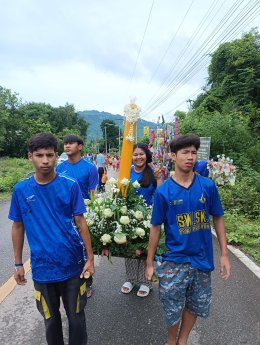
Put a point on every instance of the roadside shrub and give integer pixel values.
(243, 233)
(242, 198)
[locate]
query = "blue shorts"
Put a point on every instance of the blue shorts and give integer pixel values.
(182, 286)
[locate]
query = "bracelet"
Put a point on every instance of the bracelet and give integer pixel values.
(18, 265)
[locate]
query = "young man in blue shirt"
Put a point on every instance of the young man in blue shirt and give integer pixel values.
(77, 167)
(184, 204)
(49, 208)
(82, 170)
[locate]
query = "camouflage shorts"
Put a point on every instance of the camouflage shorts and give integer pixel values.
(182, 286)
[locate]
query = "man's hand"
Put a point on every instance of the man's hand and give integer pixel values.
(225, 267)
(149, 272)
(88, 269)
(19, 276)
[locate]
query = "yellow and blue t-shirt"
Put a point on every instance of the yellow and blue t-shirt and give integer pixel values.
(185, 213)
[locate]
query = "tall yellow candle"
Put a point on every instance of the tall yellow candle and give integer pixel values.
(132, 112)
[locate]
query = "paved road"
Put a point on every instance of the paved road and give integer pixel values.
(114, 318)
(6, 251)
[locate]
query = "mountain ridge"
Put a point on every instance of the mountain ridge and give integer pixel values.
(95, 118)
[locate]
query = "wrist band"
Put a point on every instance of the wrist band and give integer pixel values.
(18, 265)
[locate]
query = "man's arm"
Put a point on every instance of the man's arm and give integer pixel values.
(222, 239)
(85, 235)
(154, 238)
(18, 241)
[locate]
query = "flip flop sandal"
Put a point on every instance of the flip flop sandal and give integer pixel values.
(143, 291)
(127, 287)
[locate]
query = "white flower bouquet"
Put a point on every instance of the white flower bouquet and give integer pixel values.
(222, 171)
(119, 226)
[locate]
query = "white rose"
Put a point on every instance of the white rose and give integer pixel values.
(112, 181)
(124, 220)
(87, 201)
(140, 232)
(106, 238)
(123, 209)
(120, 238)
(125, 182)
(138, 215)
(146, 223)
(107, 213)
(136, 184)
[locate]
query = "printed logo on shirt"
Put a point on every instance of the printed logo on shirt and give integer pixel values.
(176, 202)
(30, 198)
(192, 221)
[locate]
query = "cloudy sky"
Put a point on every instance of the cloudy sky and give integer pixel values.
(100, 54)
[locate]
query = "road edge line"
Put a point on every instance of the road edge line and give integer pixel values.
(254, 268)
(10, 284)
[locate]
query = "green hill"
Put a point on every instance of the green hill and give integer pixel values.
(94, 118)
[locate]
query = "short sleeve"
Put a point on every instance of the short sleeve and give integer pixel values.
(15, 211)
(93, 178)
(159, 209)
(215, 203)
(77, 201)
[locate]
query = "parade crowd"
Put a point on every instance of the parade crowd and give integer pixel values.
(49, 208)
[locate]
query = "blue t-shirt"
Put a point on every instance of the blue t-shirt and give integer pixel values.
(47, 211)
(201, 167)
(84, 172)
(146, 192)
(185, 213)
(100, 160)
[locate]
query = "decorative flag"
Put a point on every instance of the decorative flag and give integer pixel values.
(146, 131)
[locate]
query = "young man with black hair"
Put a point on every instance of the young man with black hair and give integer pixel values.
(77, 167)
(49, 208)
(184, 204)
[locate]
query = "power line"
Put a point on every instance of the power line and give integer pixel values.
(172, 40)
(244, 16)
(141, 45)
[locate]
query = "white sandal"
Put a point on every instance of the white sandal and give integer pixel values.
(143, 291)
(127, 287)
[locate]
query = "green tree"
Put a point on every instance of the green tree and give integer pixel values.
(236, 66)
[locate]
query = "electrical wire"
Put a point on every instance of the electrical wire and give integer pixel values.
(247, 14)
(141, 45)
(172, 40)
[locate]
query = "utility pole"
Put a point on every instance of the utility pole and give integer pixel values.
(105, 137)
(189, 101)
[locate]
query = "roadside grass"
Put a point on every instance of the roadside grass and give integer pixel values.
(12, 170)
(244, 234)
